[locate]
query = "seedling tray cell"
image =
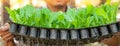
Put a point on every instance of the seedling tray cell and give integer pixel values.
(56, 36)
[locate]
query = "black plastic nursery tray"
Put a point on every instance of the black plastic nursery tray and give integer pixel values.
(53, 36)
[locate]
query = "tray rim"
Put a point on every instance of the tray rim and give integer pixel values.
(63, 28)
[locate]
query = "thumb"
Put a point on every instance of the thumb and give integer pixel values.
(4, 27)
(7, 24)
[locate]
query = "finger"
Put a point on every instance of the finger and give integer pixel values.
(3, 33)
(4, 28)
(10, 38)
(7, 24)
(7, 36)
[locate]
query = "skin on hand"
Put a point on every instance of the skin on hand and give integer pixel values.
(6, 35)
(113, 41)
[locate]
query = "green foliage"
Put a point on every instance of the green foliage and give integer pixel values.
(72, 18)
